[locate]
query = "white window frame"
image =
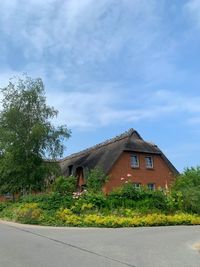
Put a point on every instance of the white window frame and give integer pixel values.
(133, 165)
(151, 186)
(137, 185)
(149, 166)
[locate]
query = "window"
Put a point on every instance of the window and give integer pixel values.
(134, 161)
(149, 162)
(70, 170)
(8, 195)
(136, 185)
(151, 186)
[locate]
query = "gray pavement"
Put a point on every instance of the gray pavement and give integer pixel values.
(35, 246)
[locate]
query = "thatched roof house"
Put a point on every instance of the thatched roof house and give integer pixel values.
(117, 157)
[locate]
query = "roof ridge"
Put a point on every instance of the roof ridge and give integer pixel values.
(126, 134)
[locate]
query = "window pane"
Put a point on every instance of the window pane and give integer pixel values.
(134, 161)
(151, 186)
(136, 185)
(149, 162)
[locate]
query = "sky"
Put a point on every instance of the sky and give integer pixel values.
(111, 65)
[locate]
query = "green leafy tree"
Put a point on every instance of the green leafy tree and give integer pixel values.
(65, 185)
(186, 190)
(95, 180)
(27, 136)
(190, 178)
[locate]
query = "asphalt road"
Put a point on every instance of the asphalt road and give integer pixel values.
(34, 246)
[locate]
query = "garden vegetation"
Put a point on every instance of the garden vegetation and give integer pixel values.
(27, 138)
(125, 206)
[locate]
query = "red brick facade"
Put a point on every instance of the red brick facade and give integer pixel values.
(122, 158)
(160, 174)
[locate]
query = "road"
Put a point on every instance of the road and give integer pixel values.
(35, 246)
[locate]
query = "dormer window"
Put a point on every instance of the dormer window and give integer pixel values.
(70, 170)
(149, 162)
(134, 161)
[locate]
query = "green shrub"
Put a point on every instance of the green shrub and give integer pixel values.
(89, 199)
(28, 213)
(98, 200)
(50, 201)
(189, 179)
(186, 190)
(129, 197)
(96, 220)
(8, 211)
(191, 200)
(66, 216)
(3, 205)
(95, 179)
(91, 210)
(65, 185)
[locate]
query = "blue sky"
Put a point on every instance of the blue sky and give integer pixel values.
(111, 65)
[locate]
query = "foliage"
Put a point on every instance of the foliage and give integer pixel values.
(3, 205)
(67, 217)
(89, 201)
(27, 136)
(28, 213)
(95, 220)
(88, 210)
(65, 185)
(124, 207)
(49, 202)
(97, 200)
(186, 190)
(95, 179)
(127, 196)
(191, 200)
(189, 179)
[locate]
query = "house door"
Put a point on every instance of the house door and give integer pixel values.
(80, 178)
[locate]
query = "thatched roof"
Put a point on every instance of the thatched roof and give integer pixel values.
(105, 154)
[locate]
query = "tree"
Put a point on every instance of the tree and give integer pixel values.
(187, 187)
(27, 136)
(95, 180)
(65, 186)
(190, 178)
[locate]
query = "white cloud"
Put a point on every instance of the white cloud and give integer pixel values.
(91, 109)
(80, 32)
(86, 108)
(68, 40)
(192, 7)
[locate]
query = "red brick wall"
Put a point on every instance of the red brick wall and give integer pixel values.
(160, 174)
(2, 198)
(6, 198)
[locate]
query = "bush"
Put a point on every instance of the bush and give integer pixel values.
(65, 185)
(66, 216)
(95, 179)
(129, 197)
(189, 179)
(84, 213)
(186, 190)
(97, 200)
(3, 205)
(156, 219)
(28, 213)
(51, 201)
(191, 200)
